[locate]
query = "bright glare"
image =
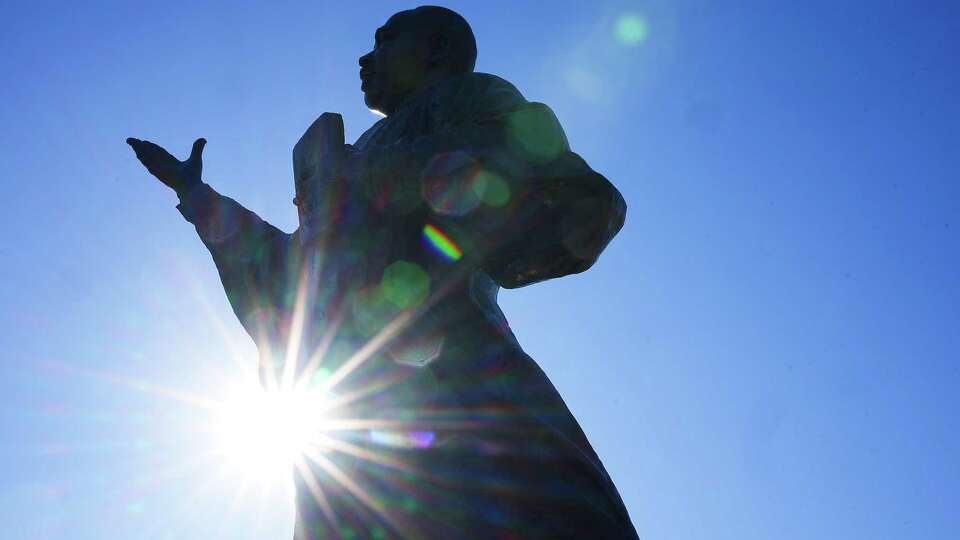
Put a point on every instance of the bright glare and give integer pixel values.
(264, 432)
(631, 29)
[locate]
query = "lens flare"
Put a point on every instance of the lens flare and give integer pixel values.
(405, 284)
(491, 188)
(631, 29)
(447, 184)
(402, 439)
(442, 243)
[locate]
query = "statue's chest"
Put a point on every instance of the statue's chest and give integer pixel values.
(394, 199)
(413, 121)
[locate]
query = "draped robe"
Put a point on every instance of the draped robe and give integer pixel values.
(392, 307)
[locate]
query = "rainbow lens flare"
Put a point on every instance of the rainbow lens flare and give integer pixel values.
(442, 243)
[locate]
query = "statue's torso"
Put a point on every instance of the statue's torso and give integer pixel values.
(456, 353)
(457, 323)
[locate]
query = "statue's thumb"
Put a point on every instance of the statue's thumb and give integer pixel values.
(197, 149)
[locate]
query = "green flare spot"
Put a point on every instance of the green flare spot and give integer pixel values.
(372, 311)
(631, 29)
(491, 189)
(410, 504)
(320, 375)
(405, 284)
(537, 133)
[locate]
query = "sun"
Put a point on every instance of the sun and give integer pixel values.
(264, 432)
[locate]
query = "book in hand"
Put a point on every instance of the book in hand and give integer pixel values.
(317, 158)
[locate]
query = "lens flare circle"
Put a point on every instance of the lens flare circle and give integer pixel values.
(631, 29)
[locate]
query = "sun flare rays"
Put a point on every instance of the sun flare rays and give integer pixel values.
(310, 408)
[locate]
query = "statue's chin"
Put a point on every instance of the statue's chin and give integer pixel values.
(374, 102)
(370, 101)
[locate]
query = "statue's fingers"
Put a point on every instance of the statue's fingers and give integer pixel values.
(197, 150)
(158, 155)
(144, 149)
(136, 144)
(153, 147)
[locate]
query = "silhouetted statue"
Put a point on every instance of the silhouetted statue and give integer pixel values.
(386, 296)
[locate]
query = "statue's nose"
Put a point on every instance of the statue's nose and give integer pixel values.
(365, 59)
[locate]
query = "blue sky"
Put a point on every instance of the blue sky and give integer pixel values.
(767, 350)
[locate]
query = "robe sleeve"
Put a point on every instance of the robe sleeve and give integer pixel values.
(569, 215)
(255, 260)
(540, 211)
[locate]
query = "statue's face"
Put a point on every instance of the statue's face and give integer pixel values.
(397, 65)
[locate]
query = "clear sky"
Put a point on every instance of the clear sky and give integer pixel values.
(769, 349)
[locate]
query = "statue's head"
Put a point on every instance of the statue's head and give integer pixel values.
(414, 50)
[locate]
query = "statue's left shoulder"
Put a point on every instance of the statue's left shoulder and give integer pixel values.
(475, 95)
(485, 84)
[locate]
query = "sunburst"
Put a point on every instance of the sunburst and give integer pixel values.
(265, 431)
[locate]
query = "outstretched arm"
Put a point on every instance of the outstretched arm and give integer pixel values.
(256, 261)
(253, 257)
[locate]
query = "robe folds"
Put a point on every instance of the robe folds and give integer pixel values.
(445, 428)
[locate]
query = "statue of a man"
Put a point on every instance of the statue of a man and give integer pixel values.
(386, 296)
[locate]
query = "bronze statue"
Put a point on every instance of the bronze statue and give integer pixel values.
(386, 294)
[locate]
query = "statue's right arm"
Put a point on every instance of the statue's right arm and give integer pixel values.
(252, 256)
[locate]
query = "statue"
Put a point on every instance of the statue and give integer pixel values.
(386, 294)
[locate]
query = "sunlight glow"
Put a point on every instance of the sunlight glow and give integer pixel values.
(291, 424)
(264, 432)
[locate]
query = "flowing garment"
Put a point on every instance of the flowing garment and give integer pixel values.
(443, 427)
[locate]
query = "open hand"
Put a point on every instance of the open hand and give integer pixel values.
(177, 175)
